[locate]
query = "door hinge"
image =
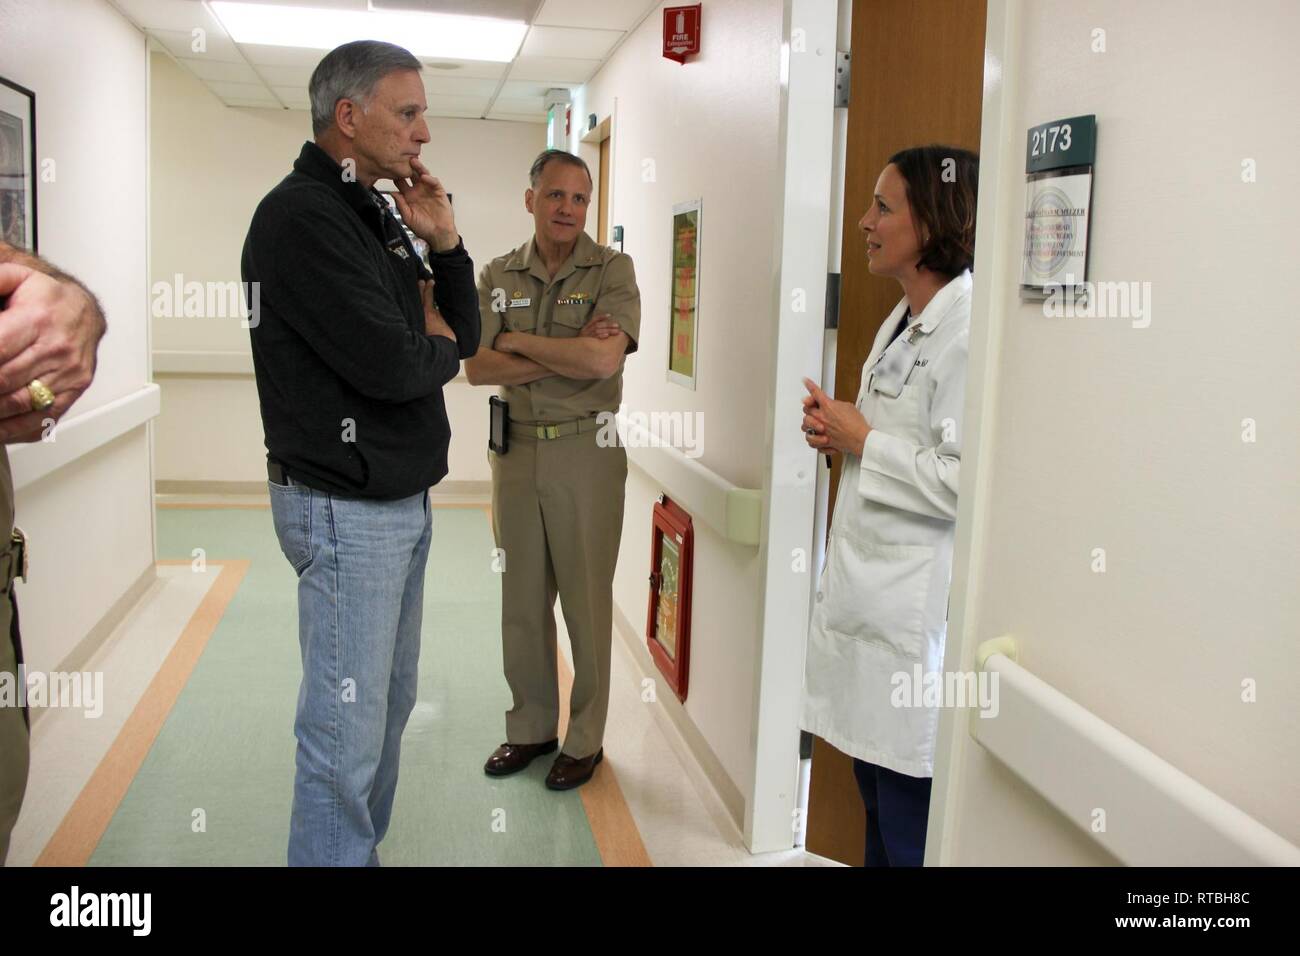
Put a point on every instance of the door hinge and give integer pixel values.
(832, 300)
(841, 78)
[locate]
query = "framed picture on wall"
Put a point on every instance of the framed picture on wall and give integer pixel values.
(683, 342)
(17, 165)
(668, 620)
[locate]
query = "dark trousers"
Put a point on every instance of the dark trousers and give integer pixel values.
(897, 809)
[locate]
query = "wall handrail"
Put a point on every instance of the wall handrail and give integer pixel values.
(79, 435)
(734, 512)
(1137, 806)
(182, 363)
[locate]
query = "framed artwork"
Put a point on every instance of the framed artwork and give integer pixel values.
(668, 620)
(683, 341)
(17, 165)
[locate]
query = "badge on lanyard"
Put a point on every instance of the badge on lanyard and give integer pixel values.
(891, 370)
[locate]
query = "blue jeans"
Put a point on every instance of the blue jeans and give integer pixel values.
(360, 566)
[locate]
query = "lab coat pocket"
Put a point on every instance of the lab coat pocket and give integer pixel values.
(876, 593)
(903, 415)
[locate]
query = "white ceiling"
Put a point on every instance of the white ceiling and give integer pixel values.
(567, 42)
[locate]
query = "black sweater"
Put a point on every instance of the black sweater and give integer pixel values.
(349, 385)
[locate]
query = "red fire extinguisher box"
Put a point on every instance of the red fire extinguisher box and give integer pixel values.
(668, 620)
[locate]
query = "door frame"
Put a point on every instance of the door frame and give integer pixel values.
(804, 221)
(996, 234)
(587, 147)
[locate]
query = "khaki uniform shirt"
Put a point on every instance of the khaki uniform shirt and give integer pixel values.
(517, 295)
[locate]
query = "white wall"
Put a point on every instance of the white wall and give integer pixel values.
(1094, 434)
(211, 165)
(706, 130)
(87, 66)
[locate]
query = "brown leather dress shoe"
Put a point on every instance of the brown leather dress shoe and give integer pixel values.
(511, 758)
(569, 772)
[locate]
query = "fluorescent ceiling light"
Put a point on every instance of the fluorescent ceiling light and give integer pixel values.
(424, 34)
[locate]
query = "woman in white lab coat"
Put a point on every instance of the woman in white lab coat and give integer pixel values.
(880, 614)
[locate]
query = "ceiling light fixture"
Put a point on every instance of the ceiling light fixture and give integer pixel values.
(424, 34)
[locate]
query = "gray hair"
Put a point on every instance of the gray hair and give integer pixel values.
(350, 72)
(559, 155)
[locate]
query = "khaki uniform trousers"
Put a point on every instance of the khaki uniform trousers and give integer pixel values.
(557, 511)
(13, 731)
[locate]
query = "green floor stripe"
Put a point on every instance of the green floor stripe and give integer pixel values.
(227, 748)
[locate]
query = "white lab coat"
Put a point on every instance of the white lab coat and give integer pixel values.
(881, 604)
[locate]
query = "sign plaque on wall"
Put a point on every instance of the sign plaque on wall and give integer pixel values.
(681, 32)
(1059, 159)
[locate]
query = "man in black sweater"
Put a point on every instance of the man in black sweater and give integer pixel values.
(351, 354)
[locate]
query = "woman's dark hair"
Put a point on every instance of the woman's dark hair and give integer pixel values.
(942, 185)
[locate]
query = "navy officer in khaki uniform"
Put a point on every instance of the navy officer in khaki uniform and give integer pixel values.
(558, 316)
(50, 326)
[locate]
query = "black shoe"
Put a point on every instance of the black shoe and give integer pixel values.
(511, 758)
(569, 772)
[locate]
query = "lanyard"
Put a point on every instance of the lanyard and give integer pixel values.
(387, 218)
(898, 364)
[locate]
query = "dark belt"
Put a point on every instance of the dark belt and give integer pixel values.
(13, 564)
(13, 559)
(276, 473)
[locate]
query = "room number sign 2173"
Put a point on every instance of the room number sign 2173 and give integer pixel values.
(1061, 144)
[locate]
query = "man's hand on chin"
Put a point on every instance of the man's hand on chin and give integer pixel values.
(426, 208)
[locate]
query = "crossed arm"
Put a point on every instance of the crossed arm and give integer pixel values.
(517, 358)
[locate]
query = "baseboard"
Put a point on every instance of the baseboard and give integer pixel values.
(80, 656)
(697, 756)
(462, 489)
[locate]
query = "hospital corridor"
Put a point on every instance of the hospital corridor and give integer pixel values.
(595, 434)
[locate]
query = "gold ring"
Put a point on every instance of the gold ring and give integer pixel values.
(42, 397)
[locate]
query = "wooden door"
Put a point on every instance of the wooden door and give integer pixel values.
(916, 77)
(602, 199)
